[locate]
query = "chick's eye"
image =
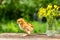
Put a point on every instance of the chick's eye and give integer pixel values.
(18, 21)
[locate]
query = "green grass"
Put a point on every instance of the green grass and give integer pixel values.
(12, 27)
(39, 27)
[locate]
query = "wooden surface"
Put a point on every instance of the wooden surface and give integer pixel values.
(18, 36)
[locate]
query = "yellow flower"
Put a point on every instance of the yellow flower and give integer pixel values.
(55, 6)
(45, 14)
(54, 14)
(49, 6)
(59, 14)
(48, 13)
(41, 12)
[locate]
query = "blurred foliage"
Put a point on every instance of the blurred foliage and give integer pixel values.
(13, 9)
(12, 27)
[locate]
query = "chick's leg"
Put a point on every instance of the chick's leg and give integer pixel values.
(28, 32)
